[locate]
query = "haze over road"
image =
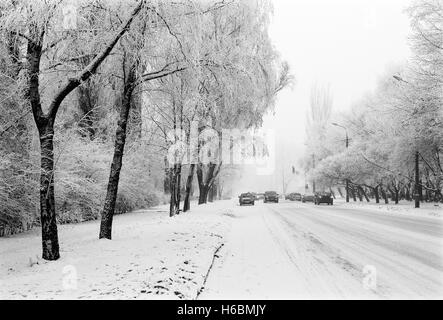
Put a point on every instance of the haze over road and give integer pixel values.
(294, 250)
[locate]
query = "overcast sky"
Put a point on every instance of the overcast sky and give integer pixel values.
(344, 43)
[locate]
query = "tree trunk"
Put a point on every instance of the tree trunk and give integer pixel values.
(173, 189)
(166, 177)
(212, 192)
(438, 197)
(359, 193)
(186, 204)
(201, 184)
(45, 126)
(47, 204)
(364, 193)
(384, 194)
(203, 196)
(376, 194)
(178, 173)
(215, 187)
(119, 146)
(204, 185)
(352, 190)
(45, 122)
(394, 193)
(420, 191)
(407, 193)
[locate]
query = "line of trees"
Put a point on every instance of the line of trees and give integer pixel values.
(116, 84)
(387, 128)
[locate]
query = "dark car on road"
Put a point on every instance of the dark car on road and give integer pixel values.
(246, 198)
(293, 196)
(307, 198)
(271, 196)
(323, 197)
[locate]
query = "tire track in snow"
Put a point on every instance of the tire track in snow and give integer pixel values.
(401, 273)
(328, 274)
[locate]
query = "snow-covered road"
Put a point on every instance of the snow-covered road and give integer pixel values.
(267, 251)
(294, 250)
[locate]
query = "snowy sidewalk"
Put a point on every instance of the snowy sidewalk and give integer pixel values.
(151, 256)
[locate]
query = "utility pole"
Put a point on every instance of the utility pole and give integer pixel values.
(417, 170)
(283, 180)
(347, 180)
(417, 181)
(313, 167)
(347, 145)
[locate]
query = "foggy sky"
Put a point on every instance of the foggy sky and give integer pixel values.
(344, 43)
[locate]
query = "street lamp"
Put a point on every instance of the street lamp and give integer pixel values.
(417, 170)
(346, 130)
(400, 79)
(347, 145)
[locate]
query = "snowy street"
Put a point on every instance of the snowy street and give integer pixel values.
(206, 151)
(294, 250)
(288, 250)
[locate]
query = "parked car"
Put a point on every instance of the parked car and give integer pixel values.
(323, 197)
(260, 196)
(293, 196)
(271, 196)
(246, 198)
(308, 198)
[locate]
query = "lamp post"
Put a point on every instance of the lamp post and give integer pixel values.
(417, 181)
(313, 167)
(417, 170)
(347, 145)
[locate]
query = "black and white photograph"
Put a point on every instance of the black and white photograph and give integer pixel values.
(203, 151)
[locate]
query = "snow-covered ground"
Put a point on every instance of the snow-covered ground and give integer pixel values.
(287, 250)
(293, 250)
(151, 256)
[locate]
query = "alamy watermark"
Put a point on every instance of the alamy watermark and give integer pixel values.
(369, 277)
(70, 278)
(69, 12)
(228, 146)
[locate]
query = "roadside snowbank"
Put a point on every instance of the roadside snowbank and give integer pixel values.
(151, 256)
(403, 207)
